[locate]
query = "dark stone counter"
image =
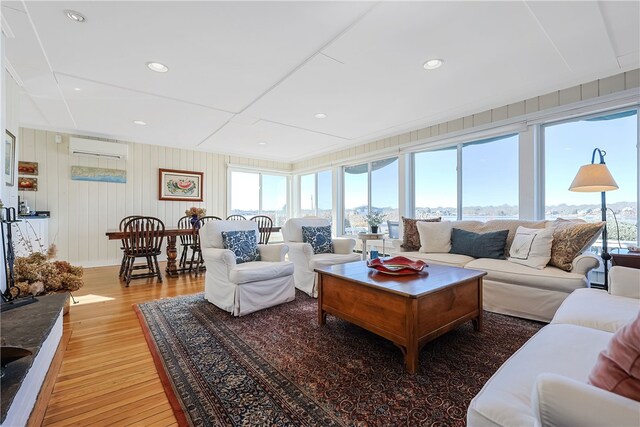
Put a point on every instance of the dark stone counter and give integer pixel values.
(27, 327)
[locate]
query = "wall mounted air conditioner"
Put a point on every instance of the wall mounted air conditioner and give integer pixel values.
(98, 149)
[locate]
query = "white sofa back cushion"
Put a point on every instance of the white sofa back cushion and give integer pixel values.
(435, 237)
(531, 247)
(292, 229)
(211, 233)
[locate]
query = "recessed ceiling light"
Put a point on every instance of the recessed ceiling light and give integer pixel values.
(77, 89)
(320, 116)
(157, 67)
(75, 16)
(262, 143)
(140, 122)
(432, 64)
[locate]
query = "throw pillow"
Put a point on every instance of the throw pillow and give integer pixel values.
(243, 244)
(434, 236)
(410, 236)
(319, 238)
(570, 239)
(487, 245)
(531, 247)
(618, 367)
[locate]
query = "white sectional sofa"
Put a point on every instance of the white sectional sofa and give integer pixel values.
(545, 382)
(510, 288)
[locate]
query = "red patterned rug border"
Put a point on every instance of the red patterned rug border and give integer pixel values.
(167, 384)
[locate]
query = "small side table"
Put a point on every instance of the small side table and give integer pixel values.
(370, 236)
(630, 259)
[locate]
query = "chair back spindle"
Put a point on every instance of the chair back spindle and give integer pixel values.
(265, 224)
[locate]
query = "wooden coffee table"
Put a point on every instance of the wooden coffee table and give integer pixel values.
(408, 310)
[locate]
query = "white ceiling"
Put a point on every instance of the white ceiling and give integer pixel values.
(248, 72)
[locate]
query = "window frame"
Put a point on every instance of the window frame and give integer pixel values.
(369, 163)
(459, 146)
(260, 173)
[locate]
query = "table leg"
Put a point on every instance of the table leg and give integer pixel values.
(172, 254)
(322, 315)
(364, 249)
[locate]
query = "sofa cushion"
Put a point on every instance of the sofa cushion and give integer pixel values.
(486, 245)
(243, 244)
(434, 236)
(570, 239)
(566, 350)
(259, 270)
(550, 278)
(531, 247)
(453, 260)
(618, 367)
(410, 236)
(319, 238)
(595, 308)
(323, 260)
(499, 224)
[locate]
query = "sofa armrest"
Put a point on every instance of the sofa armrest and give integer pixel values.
(273, 253)
(624, 282)
(343, 245)
(218, 261)
(584, 263)
(562, 401)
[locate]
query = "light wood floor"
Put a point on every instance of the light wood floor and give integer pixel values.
(107, 376)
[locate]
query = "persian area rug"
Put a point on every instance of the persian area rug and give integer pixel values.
(279, 367)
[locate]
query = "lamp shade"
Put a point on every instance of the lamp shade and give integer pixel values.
(593, 178)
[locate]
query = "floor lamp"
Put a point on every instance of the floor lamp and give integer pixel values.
(596, 178)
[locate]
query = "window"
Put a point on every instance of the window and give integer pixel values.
(316, 195)
(436, 188)
(245, 193)
(356, 198)
(569, 145)
(370, 187)
(490, 179)
(254, 193)
(324, 194)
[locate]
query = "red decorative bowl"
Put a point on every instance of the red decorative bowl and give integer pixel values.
(398, 265)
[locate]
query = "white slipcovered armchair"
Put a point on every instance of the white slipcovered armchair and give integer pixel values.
(305, 261)
(246, 287)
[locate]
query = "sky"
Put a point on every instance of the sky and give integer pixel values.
(489, 172)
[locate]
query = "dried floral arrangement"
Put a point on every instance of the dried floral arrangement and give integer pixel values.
(39, 274)
(194, 210)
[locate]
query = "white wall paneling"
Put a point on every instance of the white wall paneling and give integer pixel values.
(82, 211)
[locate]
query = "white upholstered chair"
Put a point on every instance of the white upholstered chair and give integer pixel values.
(305, 261)
(246, 287)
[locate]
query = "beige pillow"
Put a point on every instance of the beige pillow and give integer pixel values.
(570, 239)
(410, 238)
(435, 236)
(531, 247)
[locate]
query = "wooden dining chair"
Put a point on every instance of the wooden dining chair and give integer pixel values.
(186, 242)
(196, 254)
(143, 239)
(124, 255)
(236, 218)
(265, 224)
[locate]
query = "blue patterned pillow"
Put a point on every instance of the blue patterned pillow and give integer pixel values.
(243, 244)
(319, 238)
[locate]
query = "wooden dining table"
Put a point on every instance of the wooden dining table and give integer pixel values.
(171, 233)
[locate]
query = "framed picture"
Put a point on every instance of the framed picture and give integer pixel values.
(27, 168)
(9, 158)
(27, 184)
(180, 185)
